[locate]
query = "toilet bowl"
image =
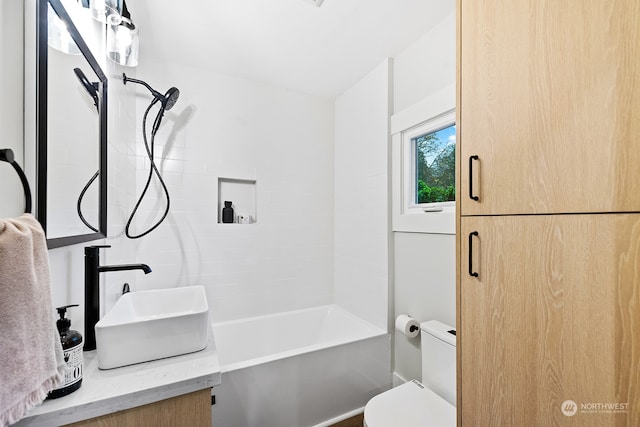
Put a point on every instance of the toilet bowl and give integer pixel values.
(427, 403)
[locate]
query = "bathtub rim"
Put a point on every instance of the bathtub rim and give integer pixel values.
(375, 332)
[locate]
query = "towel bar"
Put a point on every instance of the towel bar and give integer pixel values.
(6, 155)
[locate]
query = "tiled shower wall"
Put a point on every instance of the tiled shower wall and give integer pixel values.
(228, 127)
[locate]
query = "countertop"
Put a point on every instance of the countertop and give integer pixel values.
(104, 392)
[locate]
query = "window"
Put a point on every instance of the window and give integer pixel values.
(423, 141)
(429, 164)
(435, 157)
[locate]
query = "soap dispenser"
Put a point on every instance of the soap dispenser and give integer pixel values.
(72, 348)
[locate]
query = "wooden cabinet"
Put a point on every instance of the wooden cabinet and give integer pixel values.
(193, 410)
(553, 315)
(548, 213)
(550, 103)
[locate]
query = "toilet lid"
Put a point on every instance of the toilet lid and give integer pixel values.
(409, 405)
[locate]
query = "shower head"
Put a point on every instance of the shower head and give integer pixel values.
(171, 98)
(168, 100)
(91, 88)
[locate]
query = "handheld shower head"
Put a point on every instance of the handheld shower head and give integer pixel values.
(168, 100)
(91, 88)
(171, 97)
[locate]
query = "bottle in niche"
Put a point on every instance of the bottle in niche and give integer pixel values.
(72, 348)
(227, 213)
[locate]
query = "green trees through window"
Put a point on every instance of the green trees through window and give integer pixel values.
(435, 166)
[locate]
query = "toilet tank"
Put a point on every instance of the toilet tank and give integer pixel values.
(438, 345)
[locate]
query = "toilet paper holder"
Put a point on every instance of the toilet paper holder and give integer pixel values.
(407, 326)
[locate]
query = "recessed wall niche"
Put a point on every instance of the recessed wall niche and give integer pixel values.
(242, 194)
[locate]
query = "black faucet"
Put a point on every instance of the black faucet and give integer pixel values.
(92, 270)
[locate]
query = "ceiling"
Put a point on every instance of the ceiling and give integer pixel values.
(289, 43)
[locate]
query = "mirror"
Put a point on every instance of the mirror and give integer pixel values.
(71, 132)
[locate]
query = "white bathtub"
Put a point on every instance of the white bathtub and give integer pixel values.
(301, 368)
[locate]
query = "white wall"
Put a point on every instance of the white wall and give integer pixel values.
(424, 264)
(11, 103)
(426, 66)
(362, 196)
(230, 127)
(424, 288)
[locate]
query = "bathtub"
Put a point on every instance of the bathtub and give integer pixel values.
(310, 367)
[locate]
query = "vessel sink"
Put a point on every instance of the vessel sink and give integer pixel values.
(149, 325)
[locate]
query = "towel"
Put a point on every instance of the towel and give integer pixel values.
(31, 358)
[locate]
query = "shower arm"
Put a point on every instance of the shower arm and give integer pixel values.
(155, 93)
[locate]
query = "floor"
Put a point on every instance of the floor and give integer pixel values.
(356, 421)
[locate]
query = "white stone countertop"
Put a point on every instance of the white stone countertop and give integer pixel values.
(104, 392)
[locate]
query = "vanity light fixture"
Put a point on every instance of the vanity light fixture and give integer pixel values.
(122, 34)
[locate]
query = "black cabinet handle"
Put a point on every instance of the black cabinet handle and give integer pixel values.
(471, 272)
(471, 196)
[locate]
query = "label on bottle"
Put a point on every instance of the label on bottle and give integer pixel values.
(73, 357)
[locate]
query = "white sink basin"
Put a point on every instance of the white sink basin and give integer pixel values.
(150, 325)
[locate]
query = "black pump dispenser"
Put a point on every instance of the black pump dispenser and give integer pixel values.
(63, 323)
(72, 346)
(227, 213)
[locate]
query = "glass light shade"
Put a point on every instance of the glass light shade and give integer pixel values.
(58, 35)
(123, 43)
(105, 10)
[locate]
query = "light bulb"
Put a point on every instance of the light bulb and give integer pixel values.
(123, 43)
(102, 10)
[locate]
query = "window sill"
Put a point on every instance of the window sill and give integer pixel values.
(418, 221)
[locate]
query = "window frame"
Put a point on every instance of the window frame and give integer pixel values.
(437, 110)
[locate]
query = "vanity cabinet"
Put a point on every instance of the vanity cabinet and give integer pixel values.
(193, 410)
(550, 105)
(548, 213)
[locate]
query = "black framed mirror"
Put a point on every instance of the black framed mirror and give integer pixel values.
(71, 132)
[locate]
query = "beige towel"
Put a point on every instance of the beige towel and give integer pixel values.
(31, 358)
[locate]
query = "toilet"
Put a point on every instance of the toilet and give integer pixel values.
(427, 403)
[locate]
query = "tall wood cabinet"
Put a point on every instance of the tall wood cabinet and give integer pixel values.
(548, 213)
